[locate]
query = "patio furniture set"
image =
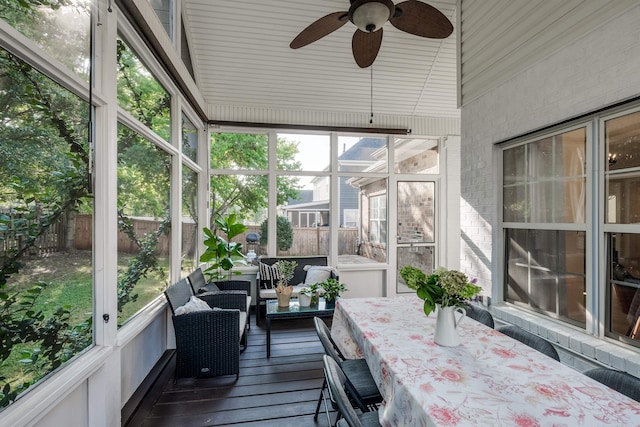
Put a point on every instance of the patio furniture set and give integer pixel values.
(211, 320)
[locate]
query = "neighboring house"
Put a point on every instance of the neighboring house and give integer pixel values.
(311, 209)
(306, 211)
(416, 203)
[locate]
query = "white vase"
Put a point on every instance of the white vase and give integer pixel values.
(304, 300)
(447, 321)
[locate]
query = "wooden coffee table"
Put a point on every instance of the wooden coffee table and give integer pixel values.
(294, 311)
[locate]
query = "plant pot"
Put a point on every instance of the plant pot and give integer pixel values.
(283, 300)
(304, 300)
(330, 303)
(447, 321)
(284, 295)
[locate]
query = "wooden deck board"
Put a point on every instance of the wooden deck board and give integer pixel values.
(280, 391)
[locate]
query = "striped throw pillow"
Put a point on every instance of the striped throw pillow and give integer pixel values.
(269, 275)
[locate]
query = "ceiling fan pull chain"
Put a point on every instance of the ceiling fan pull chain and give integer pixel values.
(371, 119)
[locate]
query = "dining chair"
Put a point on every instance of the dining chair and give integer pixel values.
(338, 384)
(530, 339)
(360, 384)
(620, 381)
(480, 314)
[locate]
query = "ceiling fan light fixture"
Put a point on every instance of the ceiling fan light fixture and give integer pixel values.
(370, 15)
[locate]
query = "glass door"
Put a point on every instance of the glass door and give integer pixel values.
(416, 228)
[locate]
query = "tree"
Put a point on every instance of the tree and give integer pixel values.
(284, 232)
(247, 195)
(43, 175)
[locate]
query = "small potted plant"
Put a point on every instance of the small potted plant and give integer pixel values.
(308, 295)
(447, 290)
(331, 290)
(284, 290)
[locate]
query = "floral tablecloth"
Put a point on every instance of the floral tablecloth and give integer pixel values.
(490, 380)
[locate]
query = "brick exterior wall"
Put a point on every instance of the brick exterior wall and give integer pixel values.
(597, 70)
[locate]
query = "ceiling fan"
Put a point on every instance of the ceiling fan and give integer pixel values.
(411, 16)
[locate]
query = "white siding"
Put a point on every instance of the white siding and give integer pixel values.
(501, 38)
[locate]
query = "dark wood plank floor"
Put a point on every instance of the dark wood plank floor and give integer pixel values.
(280, 391)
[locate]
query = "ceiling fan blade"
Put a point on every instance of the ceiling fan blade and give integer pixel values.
(366, 47)
(320, 28)
(421, 19)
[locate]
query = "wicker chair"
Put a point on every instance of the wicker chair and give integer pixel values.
(479, 314)
(200, 286)
(360, 384)
(338, 383)
(531, 340)
(207, 342)
(621, 382)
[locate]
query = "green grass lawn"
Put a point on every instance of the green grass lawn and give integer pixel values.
(70, 278)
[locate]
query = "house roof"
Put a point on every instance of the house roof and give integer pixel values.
(363, 149)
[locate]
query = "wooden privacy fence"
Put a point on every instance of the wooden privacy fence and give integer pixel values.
(309, 241)
(141, 226)
(306, 241)
(52, 240)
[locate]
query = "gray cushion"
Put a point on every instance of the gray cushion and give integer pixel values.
(211, 287)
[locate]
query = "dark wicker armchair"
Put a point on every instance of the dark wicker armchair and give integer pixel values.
(208, 342)
(199, 286)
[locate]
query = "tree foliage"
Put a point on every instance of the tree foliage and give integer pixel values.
(44, 174)
(247, 195)
(284, 232)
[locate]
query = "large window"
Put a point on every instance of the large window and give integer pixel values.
(58, 199)
(544, 211)
(140, 93)
(304, 180)
(144, 183)
(622, 224)
(46, 210)
(551, 231)
(59, 27)
(143, 221)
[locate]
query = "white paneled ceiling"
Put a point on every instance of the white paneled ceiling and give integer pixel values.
(241, 56)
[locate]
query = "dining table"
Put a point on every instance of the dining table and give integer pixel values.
(490, 379)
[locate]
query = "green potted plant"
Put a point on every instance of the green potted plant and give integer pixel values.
(221, 253)
(284, 290)
(331, 290)
(444, 288)
(447, 290)
(308, 295)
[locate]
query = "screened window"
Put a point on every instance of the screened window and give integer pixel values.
(163, 9)
(303, 176)
(46, 218)
(189, 221)
(140, 93)
(144, 222)
(61, 28)
(189, 139)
